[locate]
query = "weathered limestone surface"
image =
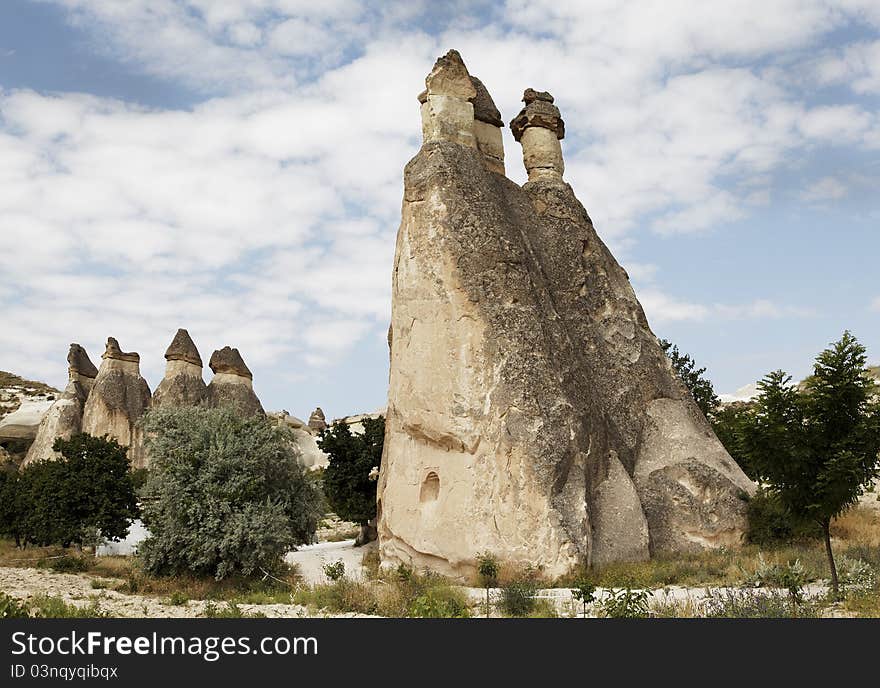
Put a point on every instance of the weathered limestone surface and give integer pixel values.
(531, 412)
(183, 384)
(119, 398)
(232, 384)
(64, 417)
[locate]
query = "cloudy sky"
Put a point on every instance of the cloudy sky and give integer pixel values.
(235, 168)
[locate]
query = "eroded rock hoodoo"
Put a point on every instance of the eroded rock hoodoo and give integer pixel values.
(232, 384)
(119, 397)
(65, 416)
(531, 411)
(183, 384)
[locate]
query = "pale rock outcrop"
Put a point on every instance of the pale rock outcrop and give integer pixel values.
(65, 416)
(317, 421)
(22, 424)
(183, 384)
(305, 437)
(119, 398)
(232, 384)
(531, 411)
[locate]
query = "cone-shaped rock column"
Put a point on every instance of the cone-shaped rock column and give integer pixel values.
(317, 421)
(531, 411)
(64, 417)
(183, 384)
(117, 401)
(232, 384)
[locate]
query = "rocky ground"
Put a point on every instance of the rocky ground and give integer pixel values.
(76, 589)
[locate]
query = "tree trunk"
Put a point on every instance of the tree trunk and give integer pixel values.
(367, 533)
(826, 531)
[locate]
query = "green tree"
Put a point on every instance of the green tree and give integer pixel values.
(225, 494)
(349, 487)
(818, 451)
(10, 525)
(698, 385)
(87, 491)
(729, 422)
(96, 488)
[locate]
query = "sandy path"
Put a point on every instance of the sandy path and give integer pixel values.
(311, 559)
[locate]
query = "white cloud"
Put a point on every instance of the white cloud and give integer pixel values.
(825, 189)
(662, 308)
(875, 306)
(243, 217)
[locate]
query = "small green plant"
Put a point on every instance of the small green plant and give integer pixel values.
(67, 563)
(335, 570)
(404, 573)
(56, 608)
(856, 576)
(625, 604)
(177, 598)
(584, 592)
(440, 603)
(487, 570)
(11, 608)
(518, 595)
(98, 584)
(754, 604)
(791, 576)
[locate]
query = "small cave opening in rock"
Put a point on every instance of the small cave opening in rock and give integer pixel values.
(430, 488)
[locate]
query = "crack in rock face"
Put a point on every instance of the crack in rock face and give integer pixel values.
(531, 411)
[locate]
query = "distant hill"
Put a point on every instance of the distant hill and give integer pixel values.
(15, 389)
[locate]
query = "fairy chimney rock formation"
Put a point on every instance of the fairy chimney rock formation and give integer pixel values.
(539, 128)
(183, 384)
(232, 384)
(317, 421)
(456, 106)
(119, 398)
(64, 417)
(531, 411)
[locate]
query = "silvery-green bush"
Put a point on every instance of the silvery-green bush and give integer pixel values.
(225, 494)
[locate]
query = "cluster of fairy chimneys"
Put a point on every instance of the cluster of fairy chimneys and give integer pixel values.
(110, 400)
(457, 107)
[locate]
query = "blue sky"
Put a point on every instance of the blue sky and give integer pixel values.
(236, 168)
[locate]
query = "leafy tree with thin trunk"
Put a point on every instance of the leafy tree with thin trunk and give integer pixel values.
(487, 569)
(818, 450)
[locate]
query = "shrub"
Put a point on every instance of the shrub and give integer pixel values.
(856, 576)
(225, 494)
(791, 576)
(11, 608)
(518, 595)
(625, 604)
(56, 608)
(66, 563)
(771, 523)
(334, 570)
(440, 602)
(751, 604)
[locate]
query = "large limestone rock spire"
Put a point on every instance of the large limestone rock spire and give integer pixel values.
(117, 401)
(317, 421)
(183, 384)
(531, 411)
(64, 417)
(232, 383)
